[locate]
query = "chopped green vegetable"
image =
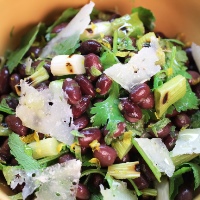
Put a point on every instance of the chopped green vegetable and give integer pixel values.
(145, 40)
(17, 149)
(15, 57)
(169, 93)
(123, 146)
(107, 112)
(146, 16)
(5, 108)
(195, 120)
(124, 170)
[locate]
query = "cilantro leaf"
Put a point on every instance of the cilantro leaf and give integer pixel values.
(188, 101)
(107, 112)
(18, 150)
(5, 108)
(195, 120)
(108, 59)
(15, 57)
(68, 13)
(146, 16)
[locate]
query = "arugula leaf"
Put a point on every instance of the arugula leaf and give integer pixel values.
(195, 120)
(146, 16)
(18, 150)
(5, 108)
(15, 57)
(107, 112)
(108, 59)
(68, 46)
(68, 13)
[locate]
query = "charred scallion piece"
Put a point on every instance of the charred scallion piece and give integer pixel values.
(168, 93)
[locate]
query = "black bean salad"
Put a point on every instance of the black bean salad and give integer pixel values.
(99, 106)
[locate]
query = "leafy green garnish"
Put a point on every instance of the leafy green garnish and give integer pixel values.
(125, 43)
(67, 46)
(18, 150)
(5, 108)
(146, 16)
(67, 14)
(107, 112)
(15, 57)
(108, 59)
(176, 180)
(195, 120)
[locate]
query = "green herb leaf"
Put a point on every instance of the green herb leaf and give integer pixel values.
(108, 59)
(125, 43)
(146, 16)
(18, 150)
(5, 108)
(195, 120)
(15, 57)
(67, 46)
(67, 14)
(107, 112)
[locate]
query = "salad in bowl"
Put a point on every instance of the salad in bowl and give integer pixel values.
(98, 105)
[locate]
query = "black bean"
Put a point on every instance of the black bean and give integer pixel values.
(132, 112)
(90, 46)
(148, 102)
(21, 69)
(103, 84)
(5, 151)
(163, 132)
(96, 180)
(34, 52)
(59, 27)
(42, 86)
(4, 81)
(191, 63)
(196, 89)
(125, 159)
(83, 192)
(79, 108)
(141, 182)
(195, 77)
(106, 155)
(120, 129)
(93, 66)
(15, 124)
(10, 100)
(82, 122)
(14, 80)
(66, 157)
(73, 91)
(85, 85)
(139, 92)
(170, 142)
(182, 120)
(109, 39)
(90, 134)
(185, 193)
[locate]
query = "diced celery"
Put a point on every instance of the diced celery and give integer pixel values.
(123, 146)
(124, 170)
(179, 159)
(45, 147)
(169, 93)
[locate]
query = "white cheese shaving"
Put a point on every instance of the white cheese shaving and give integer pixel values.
(187, 143)
(196, 54)
(56, 182)
(46, 111)
(157, 152)
(140, 68)
(118, 191)
(75, 27)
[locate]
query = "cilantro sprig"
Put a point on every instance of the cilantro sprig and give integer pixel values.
(107, 112)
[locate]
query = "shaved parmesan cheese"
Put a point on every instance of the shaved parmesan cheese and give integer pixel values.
(118, 191)
(157, 152)
(140, 68)
(196, 54)
(46, 111)
(65, 64)
(74, 29)
(187, 143)
(58, 181)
